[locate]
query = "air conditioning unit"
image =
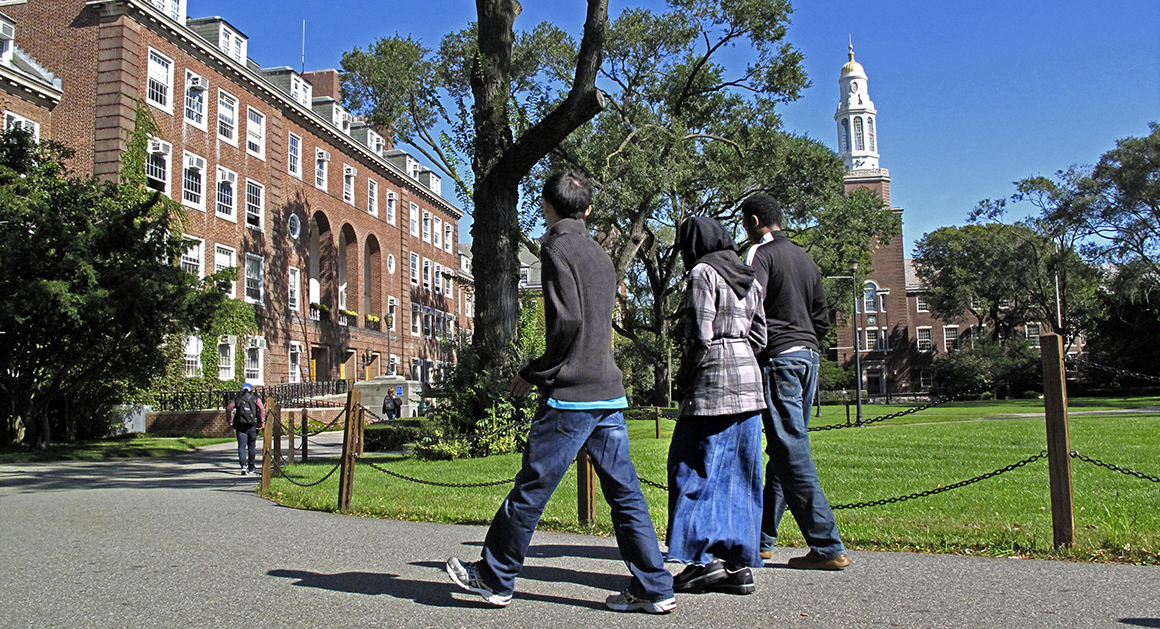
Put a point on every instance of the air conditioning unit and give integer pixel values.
(195, 162)
(157, 147)
(322, 155)
(349, 171)
(197, 83)
(227, 176)
(7, 31)
(258, 342)
(227, 339)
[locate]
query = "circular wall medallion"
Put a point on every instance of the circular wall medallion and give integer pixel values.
(391, 263)
(295, 225)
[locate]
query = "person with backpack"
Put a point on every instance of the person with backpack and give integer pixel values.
(246, 414)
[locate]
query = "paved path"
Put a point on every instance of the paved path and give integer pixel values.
(184, 542)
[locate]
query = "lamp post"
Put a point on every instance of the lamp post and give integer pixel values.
(857, 341)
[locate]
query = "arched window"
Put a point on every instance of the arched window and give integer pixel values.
(859, 144)
(844, 136)
(870, 132)
(870, 297)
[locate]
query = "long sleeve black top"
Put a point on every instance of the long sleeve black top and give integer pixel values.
(796, 313)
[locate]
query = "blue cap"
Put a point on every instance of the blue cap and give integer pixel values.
(247, 387)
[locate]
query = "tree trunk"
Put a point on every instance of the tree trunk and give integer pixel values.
(495, 235)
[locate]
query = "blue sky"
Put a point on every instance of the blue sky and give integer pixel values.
(970, 96)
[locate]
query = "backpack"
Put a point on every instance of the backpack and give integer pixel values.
(245, 411)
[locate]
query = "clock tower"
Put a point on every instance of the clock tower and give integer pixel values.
(858, 131)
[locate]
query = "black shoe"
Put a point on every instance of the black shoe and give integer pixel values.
(736, 581)
(695, 579)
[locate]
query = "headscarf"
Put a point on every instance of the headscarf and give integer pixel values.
(703, 240)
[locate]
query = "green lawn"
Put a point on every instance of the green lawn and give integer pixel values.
(1117, 516)
(128, 447)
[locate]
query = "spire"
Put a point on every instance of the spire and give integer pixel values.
(856, 117)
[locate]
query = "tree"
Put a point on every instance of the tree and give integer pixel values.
(484, 76)
(92, 289)
(1006, 370)
(1126, 212)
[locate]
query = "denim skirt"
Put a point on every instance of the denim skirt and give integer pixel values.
(715, 490)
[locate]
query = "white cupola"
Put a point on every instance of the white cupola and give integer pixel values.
(857, 132)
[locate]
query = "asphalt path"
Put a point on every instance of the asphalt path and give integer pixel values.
(183, 541)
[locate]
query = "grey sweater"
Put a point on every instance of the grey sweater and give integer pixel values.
(579, 294)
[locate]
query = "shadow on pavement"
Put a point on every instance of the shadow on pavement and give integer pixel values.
(1141, 622)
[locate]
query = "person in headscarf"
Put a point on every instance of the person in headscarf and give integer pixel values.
(715, 480)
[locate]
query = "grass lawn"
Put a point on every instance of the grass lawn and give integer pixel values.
(127, 447)
(1117, 516)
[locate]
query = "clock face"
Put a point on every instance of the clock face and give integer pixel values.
(295, 226)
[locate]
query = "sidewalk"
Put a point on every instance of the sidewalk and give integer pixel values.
(184, 541)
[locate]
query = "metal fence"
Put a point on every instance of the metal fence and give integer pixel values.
(290, 395)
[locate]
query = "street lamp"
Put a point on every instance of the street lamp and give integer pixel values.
(857, 341)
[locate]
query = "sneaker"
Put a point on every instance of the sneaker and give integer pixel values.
(466, 576)
(251, 470)
(244, 472)
(627, 602)
(694, 579)
(736, 581)
(814, 561)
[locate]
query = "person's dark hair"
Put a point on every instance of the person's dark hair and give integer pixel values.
(569, 193)
(765, 208)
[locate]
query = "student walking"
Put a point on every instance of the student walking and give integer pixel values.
(582, 396)
(715, 454)
(247, 415)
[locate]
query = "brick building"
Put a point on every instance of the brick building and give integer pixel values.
(345, 245)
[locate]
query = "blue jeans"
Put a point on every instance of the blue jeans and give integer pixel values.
(246, 439)
(791, 480)
(555, 438)
(715, 490)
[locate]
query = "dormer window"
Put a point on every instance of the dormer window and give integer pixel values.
(300, 90)
(7, 35)
(233, 44)
(171, 8)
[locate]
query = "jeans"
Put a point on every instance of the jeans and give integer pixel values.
(246, 439)
(791, 480)
(555, 438)
(715, 490)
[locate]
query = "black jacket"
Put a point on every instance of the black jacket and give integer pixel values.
(579, 286)
(796, 313)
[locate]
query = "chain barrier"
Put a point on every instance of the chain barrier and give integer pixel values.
(874, 503)
(278, 468)
(1115, 468)
(1073, 361)
(435, 483)
(646, 481)
(423, 434)
(882, 418)
(306, 437)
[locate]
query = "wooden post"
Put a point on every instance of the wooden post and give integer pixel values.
(272, 409)
(658, 410)
(362, 428)
(1058, 443)
(270, 403)
(290, 435)
(349, 439)
(305, 432)
(585, 488)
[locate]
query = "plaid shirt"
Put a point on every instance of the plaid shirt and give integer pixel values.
(719, 374)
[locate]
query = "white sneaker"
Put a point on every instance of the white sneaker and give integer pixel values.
(466, 576)
(627, 602)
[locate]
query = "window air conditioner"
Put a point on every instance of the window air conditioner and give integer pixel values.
(195, 162)
(227, 339)
(7, 31)
(227, 176)
(157, 147)
(197, 83)
(349, 171)
(258, 342)
(323, 155)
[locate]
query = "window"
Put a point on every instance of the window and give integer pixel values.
(233, 44)
(191, 259)
(426, 274)
(1006, 304)
(256, 134)
(438, 279)
(172, 8)
(393, 365)
(223, 258)
(392, 201)
(925, 379)
(372, 197)
(415, 269)
(157, 165)
(871, 297)
(294, 280)
(392, 307)
(414, 220)
(428, 327)
(414, 319)
(426, 227)
(14, 121)
(844, 137)
(525, 276)
(437, 236)
(295, 374)
(321, 159)
(195, 87)
(925, 340)
(254, 360)
(391, 263)
(227, 118)
(923, 304)
(225, 361)
(159, 88)
(880, 340)
(859, 145)
(255, 203)
(294, 151)
(348, 176)
(193, 347)
(255, 278)
(870, 133)
(1033, 331)
(300, 90)
(950, 338)
(193, 182)
(417, 369)
(447, 288)
(227, 184)
(448, 237)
